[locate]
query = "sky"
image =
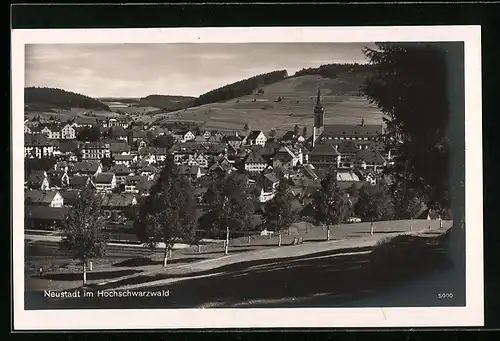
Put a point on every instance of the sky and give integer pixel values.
(138, 70)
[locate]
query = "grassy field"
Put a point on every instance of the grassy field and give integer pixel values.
(62, 272)
(339, 99)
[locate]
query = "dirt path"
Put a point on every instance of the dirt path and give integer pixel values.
(306, 249)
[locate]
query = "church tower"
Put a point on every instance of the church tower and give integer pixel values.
(319, 114)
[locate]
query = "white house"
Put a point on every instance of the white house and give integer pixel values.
(256, 137)
(68, 132)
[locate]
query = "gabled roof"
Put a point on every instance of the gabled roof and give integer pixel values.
(254, 134)
(45, 213)
(79, 181)
(86, 166)
(37, 140)
(94, 145)
(149, 168)
(271, 177)
(70, 197)
(348, 147)
(254, 157)
(352, 130)
(347, 176)
(119, 147)
(104, 178)
(39, 197)
(36, 177)
(126, 157)
(324, 149)
(370, 156)
(120, 170)
(153, 151)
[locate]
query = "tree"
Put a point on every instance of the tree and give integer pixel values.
(278, 212)
(168, 214)
(374, 203)
(246, 129)
(304, 132)
(410, 87)
(89, 134)
(272, 133)
(83, 230)
(164, 141)
(231, 206)
(296, 130)
(330, 204)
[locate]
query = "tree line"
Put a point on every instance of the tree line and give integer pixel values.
(61, 99)
(241, 88)
(333, 70)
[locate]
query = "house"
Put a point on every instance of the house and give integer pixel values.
(38, 180)
(80, 182)
(192, 172)
(43, 198)
(234, 141)
(117, 206)
(222, 166)
(324, 156)
(370, 159)
(68, 132)
(87, 168)
(125, 160)
(201, 160)
(153, 154)
(131, 182)
(255, 137)
(105, 181)
(184, 136)
(254, 162)
(119, 133)
(121, 172)
(291, 138)
(52, 131)
(135, 135)
(270, 183)
(95, 151)
(58, 179)
(39, 146)
(286, 158)
(27, 130)
(44, 218)
(70, 197)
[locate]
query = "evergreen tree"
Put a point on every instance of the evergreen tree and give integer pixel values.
(83, 230)
(296, 130)
(168, 214)
(330, 204)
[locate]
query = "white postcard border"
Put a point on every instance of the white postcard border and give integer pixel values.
(471, 315)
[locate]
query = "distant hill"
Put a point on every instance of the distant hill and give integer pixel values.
(284, 103)
(47, 99)
(241, 88)
(166, 102)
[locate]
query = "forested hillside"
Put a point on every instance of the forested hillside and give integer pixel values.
(36, 98)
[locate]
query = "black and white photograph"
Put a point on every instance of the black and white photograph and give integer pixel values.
(200, 177)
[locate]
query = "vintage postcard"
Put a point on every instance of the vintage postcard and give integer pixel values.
(281, 177)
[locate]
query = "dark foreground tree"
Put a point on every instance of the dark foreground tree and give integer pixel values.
(168, 214)
(374, 203)
(278, 212)
(410, 86)
(330, 204)
(421, 89)
(83, 232)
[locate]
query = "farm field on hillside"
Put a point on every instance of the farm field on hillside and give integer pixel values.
(296, 107)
